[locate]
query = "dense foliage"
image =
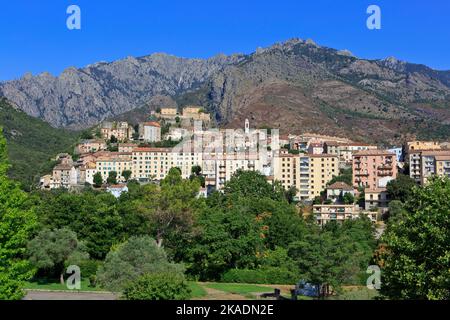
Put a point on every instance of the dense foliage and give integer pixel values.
(31, 143)
(415, 262)
(132, 259)
(158, 286)
(17, 221)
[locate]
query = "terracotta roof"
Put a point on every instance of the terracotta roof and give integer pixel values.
(340, 185)
(436, 153)
(148, 149)
(374, 153)
(152, 124)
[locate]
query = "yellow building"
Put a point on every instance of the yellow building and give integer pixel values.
(169, 111)
(150, 163)
(308, 173)
(322, 168)
(107, 164)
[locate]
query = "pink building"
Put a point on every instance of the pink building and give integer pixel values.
(373, 169)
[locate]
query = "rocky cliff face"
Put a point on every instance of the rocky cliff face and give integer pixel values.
(299, 86)
(296, 85)
(80, 98)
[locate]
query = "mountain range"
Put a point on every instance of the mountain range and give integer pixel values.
(296, 86)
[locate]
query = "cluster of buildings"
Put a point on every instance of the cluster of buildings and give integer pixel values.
(306, 162)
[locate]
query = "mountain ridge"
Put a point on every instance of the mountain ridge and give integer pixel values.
(322, 84)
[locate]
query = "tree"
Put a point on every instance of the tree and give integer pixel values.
(290, 194)
(98, 179)
(400, 188)
(158, 286)
(113, 139)
(112, 177)
(126, 174)
(95, 215)
(171, 207)
(324, 260)
(252, 184)
(50, 250)
(17, 222)
(348, 198)
(196, 173)
(417, 252)
(86, 134)
(132, 259)
(345, 176)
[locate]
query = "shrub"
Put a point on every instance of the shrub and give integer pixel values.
(272, 275)
(158, 286)
(132, 259)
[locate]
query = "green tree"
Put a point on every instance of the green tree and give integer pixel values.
(348, 198)
(252, 184)
(417, 255)
(94, 215)
(98, 179)
(50, 250)
(112, 177)
(126, 174)
(345, 176)
(171, 207)
(400, 188)
(158, 286)
(324, 260)
(132, 259)
(17, 222)
(290, 194)
(86, 134)
(113, 139)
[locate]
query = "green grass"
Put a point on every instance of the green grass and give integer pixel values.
(359, 293)
(238, 288)
(42, 284)
(197, 290)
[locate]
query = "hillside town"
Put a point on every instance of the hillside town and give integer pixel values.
(307, 163)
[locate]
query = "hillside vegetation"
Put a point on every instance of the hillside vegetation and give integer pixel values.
(31, 143)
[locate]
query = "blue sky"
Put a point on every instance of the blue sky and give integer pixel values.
(34, 37)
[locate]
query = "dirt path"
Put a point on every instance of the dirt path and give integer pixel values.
(214, 294)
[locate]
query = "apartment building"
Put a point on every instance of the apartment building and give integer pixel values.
(322, 168)
(228, 164)
(420, 157)
(434, 163)
(307, 172)
(372, 169)
(346, 150)
(337, 212)
(107, 164)
(150, 163)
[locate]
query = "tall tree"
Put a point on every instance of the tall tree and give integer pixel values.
(50, 250)
(400, 188)
(170, 207)
(16, 225)
(417, 246)
(98, 180)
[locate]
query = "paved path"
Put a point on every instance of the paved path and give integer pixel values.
(66, 295)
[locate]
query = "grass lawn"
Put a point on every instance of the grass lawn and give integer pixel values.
(356, 293)
(238, 288)
(197, 290)
(44, 284)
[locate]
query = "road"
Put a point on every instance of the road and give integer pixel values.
(65, 295)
